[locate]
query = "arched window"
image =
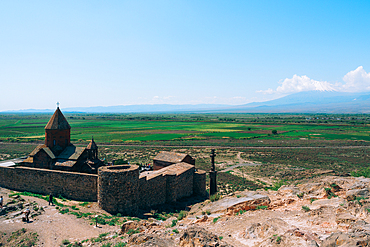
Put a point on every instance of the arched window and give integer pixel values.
(54, 142)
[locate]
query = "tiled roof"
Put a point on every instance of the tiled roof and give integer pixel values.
(175, 169)
(49, 152)
(57, 121)
(71, 153)
(170, 157)
(45, 148)
(37, 149)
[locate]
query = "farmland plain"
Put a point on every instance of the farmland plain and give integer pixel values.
(287, 147)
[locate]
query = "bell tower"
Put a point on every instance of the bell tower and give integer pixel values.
(57, 131)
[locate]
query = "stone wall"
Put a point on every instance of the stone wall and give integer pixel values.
(72, 185)
(118, 189)
(199, 183)
(183, 183)
(152, 190)
(122, 190)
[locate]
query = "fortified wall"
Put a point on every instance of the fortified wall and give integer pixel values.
(121, 189)
(118, 189)
(72, 185)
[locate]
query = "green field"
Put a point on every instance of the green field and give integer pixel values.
(305, 146)
(186, 129)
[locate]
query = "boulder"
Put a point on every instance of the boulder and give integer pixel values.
(149, 240)
(334, 202)
(353, 194)
(266, 229)
(131, 225)
(198, 237)
(345, 218)
(230, 205)
(288, 191)
(345, 240)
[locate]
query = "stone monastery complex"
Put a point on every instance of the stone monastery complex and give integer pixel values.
(77, 173)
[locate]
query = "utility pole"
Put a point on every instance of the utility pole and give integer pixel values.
(213, 175)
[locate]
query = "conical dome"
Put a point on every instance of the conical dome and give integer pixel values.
(92, 145)
(57, 121)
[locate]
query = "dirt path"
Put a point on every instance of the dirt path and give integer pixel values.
(53, 227)
(242, 163)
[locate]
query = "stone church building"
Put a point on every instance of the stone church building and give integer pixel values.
(58, 153)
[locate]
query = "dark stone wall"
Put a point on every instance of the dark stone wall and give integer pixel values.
(42, 160)
(118, 189)
(72, 185)
(152, 191)
(183, 184)
(159, 164)
(199, 183)
(188, 159)
(61, 137)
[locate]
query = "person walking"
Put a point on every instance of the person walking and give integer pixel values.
(26, 214)
(1, 202)
(51, 199)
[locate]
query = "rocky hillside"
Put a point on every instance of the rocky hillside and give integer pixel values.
(328, 211)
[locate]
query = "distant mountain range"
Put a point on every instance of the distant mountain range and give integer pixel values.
(310, 102)
(303, 102)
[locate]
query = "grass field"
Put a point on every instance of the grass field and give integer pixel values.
(184, 129)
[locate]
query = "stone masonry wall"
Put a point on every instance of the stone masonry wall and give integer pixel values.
(199, 183)
(72, 185)
(118, 189)
(152, 191)
(184, 184)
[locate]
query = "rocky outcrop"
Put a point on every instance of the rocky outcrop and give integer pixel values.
(198, 237)
(231, 205)
(149, 240)
(346, 240)
(357, 193)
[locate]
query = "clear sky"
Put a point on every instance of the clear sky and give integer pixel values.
(101, 53)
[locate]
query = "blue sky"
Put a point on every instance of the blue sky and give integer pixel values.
(101, 53)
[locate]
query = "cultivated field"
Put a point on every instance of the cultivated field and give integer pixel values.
(283, 147)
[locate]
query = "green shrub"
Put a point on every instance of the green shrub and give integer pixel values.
(261, 207)
(64, 210)
(83, 204)
(214, 197)
(216, 219)
(305, 208)
(278, 239)
(175, 231)
(182, 215)
(132, 231)
(65, 242)
(312, 200)
(120, 244)
(363, 172)
(277, 185)
(174, 222)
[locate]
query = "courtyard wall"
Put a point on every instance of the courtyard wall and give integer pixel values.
(72, 185)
